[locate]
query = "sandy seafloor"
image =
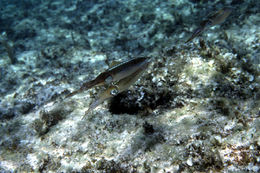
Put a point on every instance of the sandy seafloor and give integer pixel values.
(195, 109)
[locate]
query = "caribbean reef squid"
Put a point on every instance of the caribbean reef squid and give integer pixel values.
(118, 78)
(113, 74)
(212, 20)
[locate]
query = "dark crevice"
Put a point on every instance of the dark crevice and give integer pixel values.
(134, 102)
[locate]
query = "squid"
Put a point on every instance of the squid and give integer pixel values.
(215, 19)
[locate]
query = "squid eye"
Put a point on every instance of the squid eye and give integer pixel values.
(109, 80)
(114, 92)
(210, 22)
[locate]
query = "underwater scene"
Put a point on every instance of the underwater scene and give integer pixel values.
(130, 86)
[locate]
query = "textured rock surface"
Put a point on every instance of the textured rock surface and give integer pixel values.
(196, 108)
